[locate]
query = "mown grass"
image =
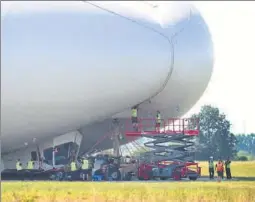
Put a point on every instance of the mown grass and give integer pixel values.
(129, 191)
(238, 168)
(226, 191)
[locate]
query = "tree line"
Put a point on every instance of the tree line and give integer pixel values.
(246, 142)
(215, 138)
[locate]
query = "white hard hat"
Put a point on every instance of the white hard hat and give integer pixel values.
(211, 157)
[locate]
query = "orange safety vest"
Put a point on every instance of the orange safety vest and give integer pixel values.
(220, 167)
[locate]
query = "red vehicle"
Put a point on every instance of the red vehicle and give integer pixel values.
(174, 170)
(170, 142)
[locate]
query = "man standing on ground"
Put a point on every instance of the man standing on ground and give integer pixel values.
(19, 170)
(220, 169)
(211, 167)
(85, 167)
(227, 167)
(30, 167)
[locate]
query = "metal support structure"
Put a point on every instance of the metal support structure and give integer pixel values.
(116, 137)
(174, 142)
(53, 157)
(39, 156)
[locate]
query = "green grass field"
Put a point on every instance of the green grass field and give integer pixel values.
(238, 168)
(226, 191)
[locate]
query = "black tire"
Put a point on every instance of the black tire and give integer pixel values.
(128, 176)
(59, 176)
(114, 174)
(193, 178)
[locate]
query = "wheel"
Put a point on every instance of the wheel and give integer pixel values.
(114, 173)
(128, 176)
(177, 176)
(59, 176)
(193, 178)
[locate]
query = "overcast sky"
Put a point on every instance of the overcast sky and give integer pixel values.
(232, 87)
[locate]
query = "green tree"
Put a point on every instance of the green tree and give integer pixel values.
(246, 142)
(215, 138)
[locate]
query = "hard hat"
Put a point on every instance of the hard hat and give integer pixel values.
(211, 157)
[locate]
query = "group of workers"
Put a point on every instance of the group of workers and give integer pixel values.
(219, 167)
(19, 167)
(85, 163)
(134, 118)
(85, 166)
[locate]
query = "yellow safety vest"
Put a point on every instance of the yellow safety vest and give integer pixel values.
(73, 166)
(211, 164)
(30, 165)
(227, 165)
(18, 167)
(158, 118)
(85, 164)
(134, 112)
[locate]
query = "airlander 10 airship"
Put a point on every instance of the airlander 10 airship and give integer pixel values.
(69, 68)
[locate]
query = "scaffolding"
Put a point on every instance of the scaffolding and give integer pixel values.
(173, 140)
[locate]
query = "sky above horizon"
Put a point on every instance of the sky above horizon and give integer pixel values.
(231, 87)
(232, 84)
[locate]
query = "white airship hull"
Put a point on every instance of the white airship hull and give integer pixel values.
(69, 70)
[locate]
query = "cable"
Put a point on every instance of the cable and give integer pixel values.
(170, 41)
(154, 30)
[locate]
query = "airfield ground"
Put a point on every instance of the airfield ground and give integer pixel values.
(204, 190)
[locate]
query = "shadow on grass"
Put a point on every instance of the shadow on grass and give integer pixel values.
(245, 178)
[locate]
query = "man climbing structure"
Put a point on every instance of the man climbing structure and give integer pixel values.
(134, 119)
(158, 121)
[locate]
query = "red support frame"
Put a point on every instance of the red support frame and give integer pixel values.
(171, 126)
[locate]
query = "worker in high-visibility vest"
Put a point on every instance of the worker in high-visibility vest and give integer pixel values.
(73, 166)
(220, 169)
(85, 164)
(134, 112)
(18, 165)
(227, 167)
(85, 167)
(19, 169)
(158, 121)
(71, 175)
(211, 167)
(30, 166)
